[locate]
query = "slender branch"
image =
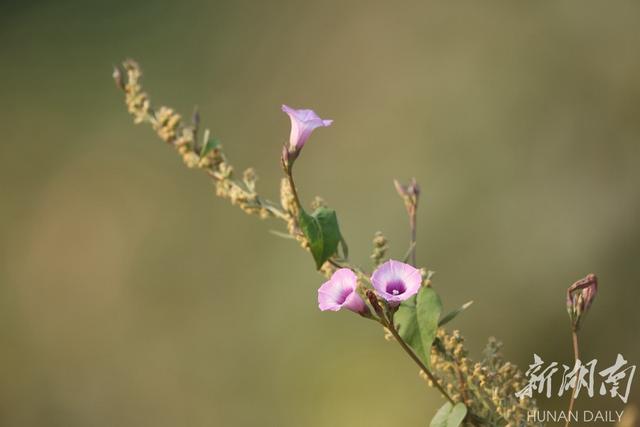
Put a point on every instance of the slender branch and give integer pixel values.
(287, 167)
(389, 324)
(410, 194)
(294, 191)
(414, 229)
(259, 201)
(576, 356)
(576, 349)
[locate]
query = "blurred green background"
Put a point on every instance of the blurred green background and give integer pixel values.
(131, 296)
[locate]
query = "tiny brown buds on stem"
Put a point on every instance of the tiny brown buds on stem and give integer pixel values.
(380, 248)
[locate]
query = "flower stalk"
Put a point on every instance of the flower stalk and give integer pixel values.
(580, 297)
(416, 359)
(410, 194)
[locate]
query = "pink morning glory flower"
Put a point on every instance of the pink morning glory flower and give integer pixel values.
(340, 292)
(303, 122)
(396, 281)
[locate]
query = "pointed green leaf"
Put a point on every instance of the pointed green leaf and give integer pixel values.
(406, 323)
(323, 233)
(457, 416)
(417, 322)
(311, 230)
(449, 415)
(428, 309)
(452, 315)
(345, 248)
(440, 418)
(328, 221)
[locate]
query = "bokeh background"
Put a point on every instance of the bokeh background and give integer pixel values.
(131, 296)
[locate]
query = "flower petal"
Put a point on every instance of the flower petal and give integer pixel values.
(303, 123)
(396, 281)
(340, 291)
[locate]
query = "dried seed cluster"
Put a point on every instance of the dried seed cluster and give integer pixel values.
(487, 387)
(170, 127)
(380, 248)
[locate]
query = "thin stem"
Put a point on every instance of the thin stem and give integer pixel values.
(287, 167)
(576, 349)
(415, 358)
(260, 202)
(292, 184)
(414, 230)
(576, 356)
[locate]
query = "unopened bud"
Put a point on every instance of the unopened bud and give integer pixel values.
(375, 303)
(379, 241)
(580, 297)
(409, 193)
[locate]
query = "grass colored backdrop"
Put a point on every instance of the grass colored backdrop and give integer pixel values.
(131, 296)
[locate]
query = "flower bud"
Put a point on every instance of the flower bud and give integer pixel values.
(375, 303)
(409, 193)
(580, 297)
(379, 248)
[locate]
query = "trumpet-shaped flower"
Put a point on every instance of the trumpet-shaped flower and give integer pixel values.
(303, 122)
(340, 292)
(396, 281)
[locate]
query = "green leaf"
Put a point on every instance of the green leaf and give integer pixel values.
(311, 229)
(449, 415)
(323, 233)
(406, 323)
(428, 309)
(345, 248)
(417, 322)
(210, 144)
(452, 315)
(330, 231)
(458, 414)
(441, 417)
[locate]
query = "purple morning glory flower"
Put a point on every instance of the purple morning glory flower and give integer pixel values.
(303, 122)
(396, 281)
(340, 291)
